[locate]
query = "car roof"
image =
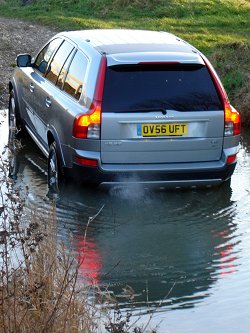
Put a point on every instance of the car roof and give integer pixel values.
(113, 41)
(134, 46)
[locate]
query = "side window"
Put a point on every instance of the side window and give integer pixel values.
(74, 79)
(58, 61)
(44, 56)
(64, 70)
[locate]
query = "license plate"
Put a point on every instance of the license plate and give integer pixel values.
(162, 129)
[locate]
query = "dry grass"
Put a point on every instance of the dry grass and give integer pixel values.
(38, 276)
(39, 287)
(43, 296)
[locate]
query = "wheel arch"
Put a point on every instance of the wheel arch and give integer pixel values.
(20, 122)
(52, 136)
(12, 86)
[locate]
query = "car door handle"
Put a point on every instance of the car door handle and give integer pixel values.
(48, 102)
(32, 88)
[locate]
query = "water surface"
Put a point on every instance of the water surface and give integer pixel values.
(186, 254)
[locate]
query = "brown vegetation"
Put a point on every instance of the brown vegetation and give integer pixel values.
(39, 290)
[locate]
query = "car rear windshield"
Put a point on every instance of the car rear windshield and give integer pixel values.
(131, 88)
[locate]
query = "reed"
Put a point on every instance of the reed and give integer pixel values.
(40, 288)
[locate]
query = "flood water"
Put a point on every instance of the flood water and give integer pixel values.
(186, 254)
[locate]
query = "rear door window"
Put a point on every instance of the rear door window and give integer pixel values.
(58, 61)
(64, 70)
(131, 88)
(43, 58)
(74, 80)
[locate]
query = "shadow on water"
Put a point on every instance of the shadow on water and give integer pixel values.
(169, 246)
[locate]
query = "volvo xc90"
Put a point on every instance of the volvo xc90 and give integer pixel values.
(125, 106)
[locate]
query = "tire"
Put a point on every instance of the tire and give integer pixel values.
(16, 129)
(54, 170)
(226, 186)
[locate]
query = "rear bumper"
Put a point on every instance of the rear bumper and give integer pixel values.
(203, 177)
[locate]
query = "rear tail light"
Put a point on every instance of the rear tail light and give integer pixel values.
(88, 125)
(232, 121)
(231, 116)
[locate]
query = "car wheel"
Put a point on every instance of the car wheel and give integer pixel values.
(16, 130)
(54, 171)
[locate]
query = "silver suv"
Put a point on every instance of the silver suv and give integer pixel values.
(126, 106)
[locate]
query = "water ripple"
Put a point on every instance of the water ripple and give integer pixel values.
(176, 249)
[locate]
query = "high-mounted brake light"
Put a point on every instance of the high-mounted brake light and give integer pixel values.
(231, 116)
(88, 125)
(159, 63)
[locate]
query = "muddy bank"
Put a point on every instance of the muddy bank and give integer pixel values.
(17, 37)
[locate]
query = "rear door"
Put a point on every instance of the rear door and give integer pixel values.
(160, 113)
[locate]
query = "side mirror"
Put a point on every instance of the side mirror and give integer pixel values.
(23, 60)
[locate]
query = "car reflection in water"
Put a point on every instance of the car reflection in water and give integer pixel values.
(169, 246)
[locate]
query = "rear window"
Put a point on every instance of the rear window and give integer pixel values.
(131, 88)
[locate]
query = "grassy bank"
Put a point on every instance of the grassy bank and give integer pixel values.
(205, 23)
(220, 28)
